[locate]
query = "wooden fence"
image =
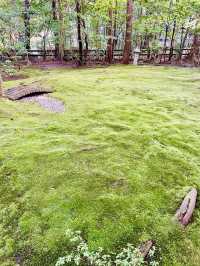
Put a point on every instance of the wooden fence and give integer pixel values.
(99, 56)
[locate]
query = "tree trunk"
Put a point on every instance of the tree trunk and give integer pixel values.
(55, 19)
(86, 41)
(128, 37)
(166, 36)
(80, 43)
(172, 42)
(27, 32)
(195, 50)
(115, 26)
(61, 34)
(44, 47)
(109, 52)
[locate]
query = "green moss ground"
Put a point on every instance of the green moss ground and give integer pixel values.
(115, 165)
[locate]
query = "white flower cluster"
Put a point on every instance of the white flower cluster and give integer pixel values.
(129, 256)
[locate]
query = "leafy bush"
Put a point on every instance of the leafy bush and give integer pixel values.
(7, 68)
(81, 255)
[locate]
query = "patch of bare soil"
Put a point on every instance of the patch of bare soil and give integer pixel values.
(70, 64)
(53, 64)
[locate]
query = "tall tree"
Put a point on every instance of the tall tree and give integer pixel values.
(79, 35)
(172, 41)
(84, 29)
(55, 19)
(128, 36)
(27, 31)
(115, 25)
(61, 34)
(195, 49)
(109, 52)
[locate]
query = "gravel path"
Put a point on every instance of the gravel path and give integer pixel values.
(51, 104)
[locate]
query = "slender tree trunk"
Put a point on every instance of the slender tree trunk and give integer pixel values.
(61, 34)
(44, 47)
(27, 33)
(185, 38)
(86, 41)
(55, 19)
(166, 36)
(79, 35)
(172, 41)
(109, 52)
(128, 37)
(115, 26)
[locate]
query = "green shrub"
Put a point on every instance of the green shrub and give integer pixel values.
(7, 68)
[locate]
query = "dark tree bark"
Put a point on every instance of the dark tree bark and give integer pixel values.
(55, 19)
(109, 51)
(115, 26)
(166, 36)
(195, 50)
(172, 41)
(27, 31)
(79, 35)
(44, 47)
(128, 36)
(61, 34)
(86, 41)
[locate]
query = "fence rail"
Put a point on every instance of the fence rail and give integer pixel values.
(99, 55)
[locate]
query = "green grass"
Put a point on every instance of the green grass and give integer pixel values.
(115, 165)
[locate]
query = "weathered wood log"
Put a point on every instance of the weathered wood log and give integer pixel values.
(185, 212)
(145, 248)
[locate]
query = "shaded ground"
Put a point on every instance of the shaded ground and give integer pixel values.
(115, 165)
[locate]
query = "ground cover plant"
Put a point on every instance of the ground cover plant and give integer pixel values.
(114, 166)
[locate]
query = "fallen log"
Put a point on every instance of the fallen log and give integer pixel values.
(185, 212)
(145, 248)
